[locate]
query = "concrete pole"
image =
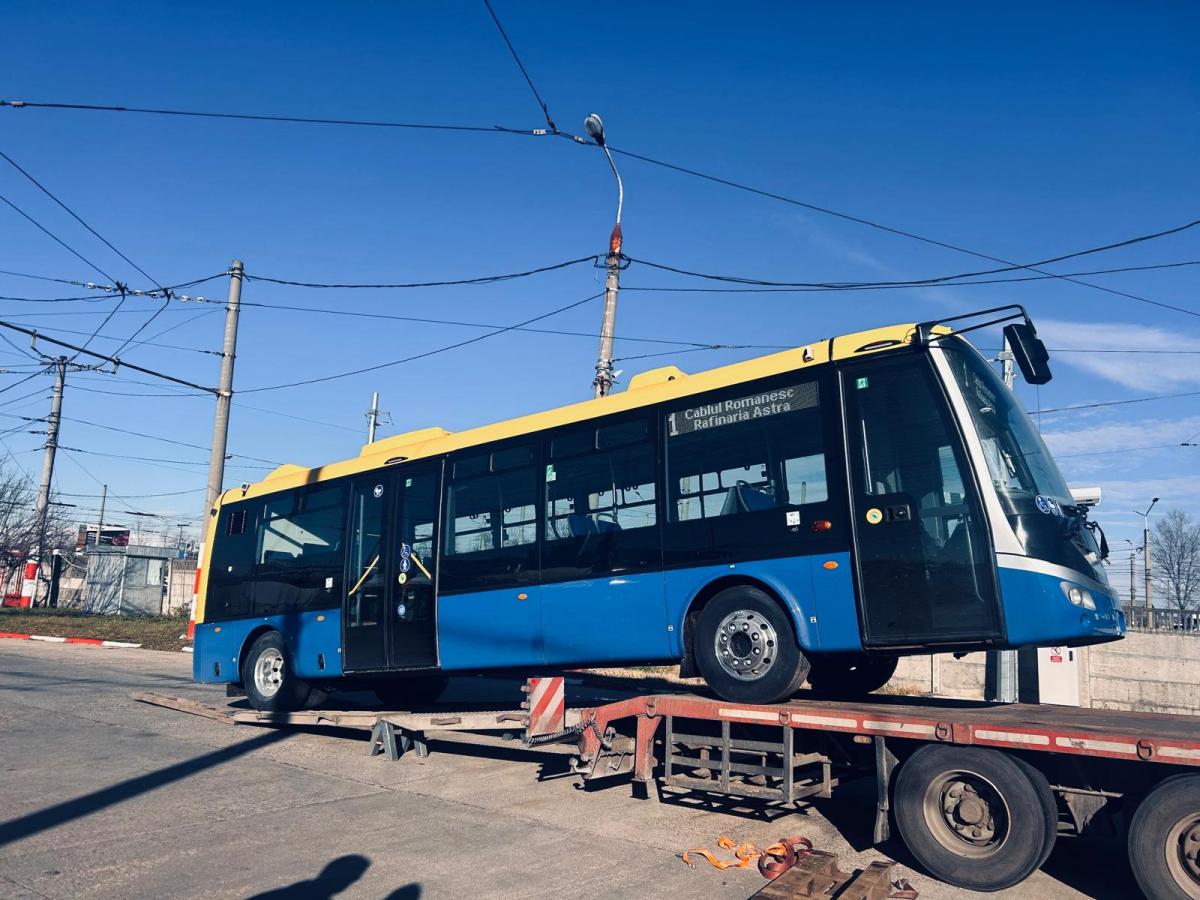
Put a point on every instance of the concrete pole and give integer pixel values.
(604, 368)
(1132, 582)
(103, 497)
(1146, 561)
(43, 500)
(1006, 360)
(373, 417)
(220, 438)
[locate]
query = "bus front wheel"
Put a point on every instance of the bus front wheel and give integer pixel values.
(271, 685)
(746, 649)
(1164, 839)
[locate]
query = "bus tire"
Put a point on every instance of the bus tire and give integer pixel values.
(971, 817)
(271, 685)
(746, 649)
(850, 675)
(402, 693)
(1164, 839)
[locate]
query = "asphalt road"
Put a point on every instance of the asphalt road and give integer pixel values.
(101, 796)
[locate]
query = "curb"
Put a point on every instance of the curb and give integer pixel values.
(95, 642)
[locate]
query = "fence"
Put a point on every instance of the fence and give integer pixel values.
(1139, 618)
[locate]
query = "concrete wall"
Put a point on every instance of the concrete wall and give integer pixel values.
(1151, 672)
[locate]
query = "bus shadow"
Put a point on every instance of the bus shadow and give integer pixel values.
(338, 875)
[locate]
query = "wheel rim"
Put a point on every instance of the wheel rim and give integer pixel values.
(746, 645)
(268, 672)
(966, 814)
(1183, 853)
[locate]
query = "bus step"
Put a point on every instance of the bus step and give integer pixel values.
(764, 769)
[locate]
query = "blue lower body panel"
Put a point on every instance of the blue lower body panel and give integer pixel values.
(616, 619)
(312, 639)
(1036, 611)
(490, 629)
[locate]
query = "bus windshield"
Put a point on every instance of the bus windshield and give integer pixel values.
(1017, 458)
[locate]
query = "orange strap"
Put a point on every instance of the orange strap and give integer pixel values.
(772, 861)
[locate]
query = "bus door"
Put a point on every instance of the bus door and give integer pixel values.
(413, 610)
(368, 588)
(924, 563)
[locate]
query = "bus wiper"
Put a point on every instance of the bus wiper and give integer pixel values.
(1077, 517)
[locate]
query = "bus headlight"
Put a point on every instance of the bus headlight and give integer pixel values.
(1078, 595)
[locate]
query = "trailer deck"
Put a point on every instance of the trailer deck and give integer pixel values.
(979, 791)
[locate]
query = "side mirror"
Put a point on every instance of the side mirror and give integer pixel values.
(1030, 353)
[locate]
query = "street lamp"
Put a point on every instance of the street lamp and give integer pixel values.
(1146, 549)
(604, 370)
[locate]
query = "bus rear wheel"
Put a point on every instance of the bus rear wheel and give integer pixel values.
(271, 685)
(746, 649)
(972, 817)
(1164, 840)
(850, 675)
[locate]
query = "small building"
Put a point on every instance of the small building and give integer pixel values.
(132, 580)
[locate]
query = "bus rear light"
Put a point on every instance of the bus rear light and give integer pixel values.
(822, 525)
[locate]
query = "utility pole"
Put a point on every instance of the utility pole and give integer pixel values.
(1146, 551)
(43, 500)
(103, 497)
(373, 417)
(604, 369)
(220, 438)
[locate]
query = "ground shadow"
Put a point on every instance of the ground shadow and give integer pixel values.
(61, 813)
(1073, 862)
(337, 875)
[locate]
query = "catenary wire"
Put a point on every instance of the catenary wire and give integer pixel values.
(521, 66)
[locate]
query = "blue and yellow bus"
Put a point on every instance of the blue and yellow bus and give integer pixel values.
(809, 515)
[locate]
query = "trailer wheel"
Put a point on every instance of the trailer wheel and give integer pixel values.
(971, 817)
(1049, 806)
(746, 649)
(271, 686)
(1164, 840)
(401, 693)
(850, 675)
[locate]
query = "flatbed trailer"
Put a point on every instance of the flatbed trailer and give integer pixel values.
(978, 792)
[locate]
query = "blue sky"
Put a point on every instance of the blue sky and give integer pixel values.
(1022, 132)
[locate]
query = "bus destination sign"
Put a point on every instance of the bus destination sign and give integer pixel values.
(743, 409)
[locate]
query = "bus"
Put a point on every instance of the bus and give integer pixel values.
(809, 515)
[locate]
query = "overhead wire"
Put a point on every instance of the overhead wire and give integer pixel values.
(520, 65)
(427, 353)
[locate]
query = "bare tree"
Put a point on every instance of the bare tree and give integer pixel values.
(18, 525)
(1175, 557)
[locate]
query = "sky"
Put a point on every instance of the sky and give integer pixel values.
(1021, 133)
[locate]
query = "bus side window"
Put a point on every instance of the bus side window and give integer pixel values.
(490, 529)
(230, 576)
(601, 501)
(738, 459)
(299, 555)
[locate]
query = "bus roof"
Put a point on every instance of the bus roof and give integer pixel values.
(645, 389)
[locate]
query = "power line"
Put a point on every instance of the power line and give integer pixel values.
(1059, 409)
(817, 287)
(255, 117)
(102, 356)
(54, 237)
(879, 226)
(1119, 450)
(521, 66)
(427, 353)
(165, 440)
(483, 279)
(923, 282)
